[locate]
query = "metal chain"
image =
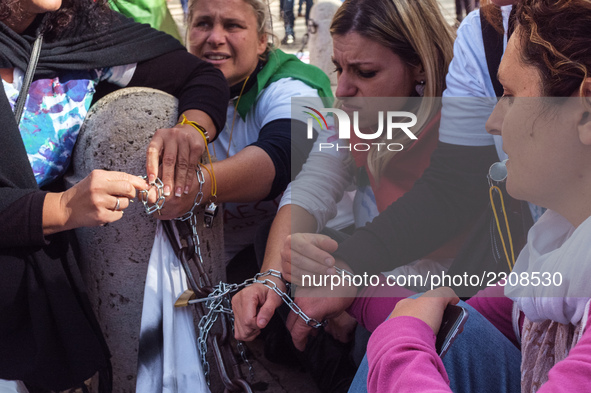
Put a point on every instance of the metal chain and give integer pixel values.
(156, 207)
(222, 289)
(218, 300)
(242, 350)
(311, 28)
(198, 198)
(159, 204)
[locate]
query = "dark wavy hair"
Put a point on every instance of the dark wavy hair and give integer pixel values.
(556, 40)
(72, 15)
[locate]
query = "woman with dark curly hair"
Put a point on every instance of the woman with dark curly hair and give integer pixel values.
(535, 335)
(49, 337)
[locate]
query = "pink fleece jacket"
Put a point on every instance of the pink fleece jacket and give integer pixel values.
(401, 351)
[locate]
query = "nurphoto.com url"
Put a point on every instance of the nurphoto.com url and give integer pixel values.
(432, 281)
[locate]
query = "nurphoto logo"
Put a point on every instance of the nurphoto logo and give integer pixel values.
(394, 120)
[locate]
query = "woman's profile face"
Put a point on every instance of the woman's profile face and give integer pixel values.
(539, 134)
(368, 69)
(224, 33)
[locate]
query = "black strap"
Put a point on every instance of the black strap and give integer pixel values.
(493, 47)
(22, 96)
(493, 43)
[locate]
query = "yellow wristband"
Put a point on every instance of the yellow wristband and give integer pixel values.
(214, 183)
(198, 127)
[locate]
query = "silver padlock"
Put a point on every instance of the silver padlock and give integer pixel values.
(211, 210)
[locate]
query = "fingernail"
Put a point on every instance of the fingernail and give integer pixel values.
(186, 189)
(262, 322)
(166, 190)
(151, 178)
(331, 270)
(329, 261)
(178, 192)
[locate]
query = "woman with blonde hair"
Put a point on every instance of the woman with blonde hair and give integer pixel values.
(381, 49)
(253, 153)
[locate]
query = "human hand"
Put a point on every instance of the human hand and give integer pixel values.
(253, 308)
(429, 307)
(307, 253)
(98, 199)
(315, 303)
(342, 327)
(174, 207)
(180, 149)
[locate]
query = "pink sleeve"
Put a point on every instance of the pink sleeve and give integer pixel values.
(405, 361)
(375, 303)
(497, 309)
(573, 374)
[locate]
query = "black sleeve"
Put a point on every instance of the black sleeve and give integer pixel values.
(196, 83)
(22, 222)
(452, 191)
(287, 153)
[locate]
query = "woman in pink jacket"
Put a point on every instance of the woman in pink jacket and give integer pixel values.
(545, 305)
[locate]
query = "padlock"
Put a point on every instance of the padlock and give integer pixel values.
(211, 210)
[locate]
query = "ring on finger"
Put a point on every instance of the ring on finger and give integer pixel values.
(117, 205)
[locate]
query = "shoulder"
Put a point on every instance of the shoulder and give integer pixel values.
(288, 87)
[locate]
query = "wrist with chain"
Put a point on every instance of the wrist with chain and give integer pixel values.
(196, 126)
(198, 197)
(273, 276)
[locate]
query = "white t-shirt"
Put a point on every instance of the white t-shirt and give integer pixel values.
(241, 220)
(469, 98)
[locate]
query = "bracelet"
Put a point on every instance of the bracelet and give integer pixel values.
(214, 183)
(198, 197)
(198, 127)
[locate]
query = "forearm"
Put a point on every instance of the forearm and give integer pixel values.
(245, 177)
(289, 219)
(53, 216)
(320, 186)
(405, 361)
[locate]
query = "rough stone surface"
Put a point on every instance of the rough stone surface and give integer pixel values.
(114, 258)
(320, 44)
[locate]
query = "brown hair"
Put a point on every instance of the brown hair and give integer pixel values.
(556, 40)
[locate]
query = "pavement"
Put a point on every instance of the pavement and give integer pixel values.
(271, 377)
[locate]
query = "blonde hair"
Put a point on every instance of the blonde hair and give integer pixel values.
(417, 32)
(263, 17)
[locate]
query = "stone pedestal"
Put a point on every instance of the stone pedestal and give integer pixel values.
(114, 258)
(320, 43)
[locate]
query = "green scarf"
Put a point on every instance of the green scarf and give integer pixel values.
(282, 65)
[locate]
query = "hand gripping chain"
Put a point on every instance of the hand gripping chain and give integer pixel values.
(156, 207)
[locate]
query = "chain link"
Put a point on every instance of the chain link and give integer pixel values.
(159, 204)
(156, 207)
